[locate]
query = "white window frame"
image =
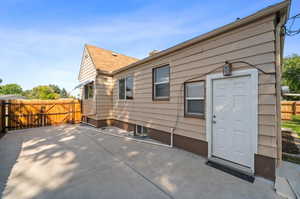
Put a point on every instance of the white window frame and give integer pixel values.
(125, 96)
(161, 82)
(193, 98)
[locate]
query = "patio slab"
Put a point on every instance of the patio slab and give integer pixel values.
(72, 161)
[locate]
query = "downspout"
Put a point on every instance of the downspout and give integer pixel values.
(279, 43)
(172, 138)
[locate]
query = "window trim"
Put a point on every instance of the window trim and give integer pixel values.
(154, 98)
(125, 96)
(194, 115)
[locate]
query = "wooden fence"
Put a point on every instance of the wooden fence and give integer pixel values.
(21, 114)
(289, 108)
(2, 124)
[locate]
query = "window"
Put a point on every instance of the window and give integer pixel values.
(122, 89)
(126, 88)
(140, 131)
(89, 91)
(161, 82)
(194, 99)
(129, 88)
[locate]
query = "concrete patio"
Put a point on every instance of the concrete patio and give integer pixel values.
(77, 162)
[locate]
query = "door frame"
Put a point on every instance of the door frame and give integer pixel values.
(254, 107)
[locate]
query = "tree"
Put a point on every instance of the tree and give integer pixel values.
(11, 89)
(64, 93)
(291, 73)
(42, 92)
(55, 88)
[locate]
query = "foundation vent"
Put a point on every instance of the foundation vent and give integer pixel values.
(140, 131)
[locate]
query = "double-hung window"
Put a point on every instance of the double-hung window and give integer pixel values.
(126, 88)
(161, 83)
(89, 91)
(194, 99)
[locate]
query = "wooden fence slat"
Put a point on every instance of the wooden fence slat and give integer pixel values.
(2, 117)
(289, 108)
(35, 113)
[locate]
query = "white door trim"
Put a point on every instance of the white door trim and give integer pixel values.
(254, 107)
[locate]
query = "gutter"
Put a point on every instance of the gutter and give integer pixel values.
(262, 13)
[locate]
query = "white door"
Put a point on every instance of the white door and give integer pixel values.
(231, 115)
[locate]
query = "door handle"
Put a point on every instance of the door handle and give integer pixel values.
(214, 122)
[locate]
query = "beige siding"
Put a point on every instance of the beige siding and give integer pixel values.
(104, 85)
(87, 72)
(87, 68)
(253, 43)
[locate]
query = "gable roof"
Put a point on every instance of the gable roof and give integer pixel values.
(108, 61)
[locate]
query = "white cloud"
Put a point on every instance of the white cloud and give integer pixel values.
(32, 56)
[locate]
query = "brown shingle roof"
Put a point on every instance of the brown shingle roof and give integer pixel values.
(107, 60)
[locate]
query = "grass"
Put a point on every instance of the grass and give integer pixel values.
(293, 124)
(291, 159)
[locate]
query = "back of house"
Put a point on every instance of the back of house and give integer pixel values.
(216, 95)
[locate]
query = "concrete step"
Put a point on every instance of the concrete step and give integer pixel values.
(291, 172)
(232, 168)
(284, 189)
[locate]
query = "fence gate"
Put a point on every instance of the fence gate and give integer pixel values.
(21, 114)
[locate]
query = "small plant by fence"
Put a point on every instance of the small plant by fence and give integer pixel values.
(19, 114)
(289, 108)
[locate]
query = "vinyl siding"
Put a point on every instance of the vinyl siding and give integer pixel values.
(253, 43)
(87, 72)
(87, 68)
(104, 85)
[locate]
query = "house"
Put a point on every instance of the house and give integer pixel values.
(216, 95)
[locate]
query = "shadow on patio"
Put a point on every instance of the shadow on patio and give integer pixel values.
(77, 162)
(35, 161)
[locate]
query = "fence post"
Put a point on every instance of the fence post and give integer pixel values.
(9, 116)
(2, 117)
(73, 112)
(294, 108)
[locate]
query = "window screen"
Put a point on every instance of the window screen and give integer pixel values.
(126, 88)
(129, 88)
(161, 84)
(194, 98)
(122, 89)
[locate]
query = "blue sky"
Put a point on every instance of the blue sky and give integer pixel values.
(42, 41)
